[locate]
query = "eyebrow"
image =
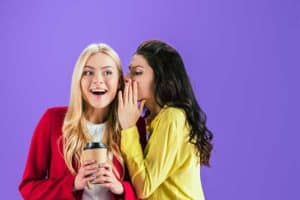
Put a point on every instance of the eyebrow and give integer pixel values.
(130, 66)
(103, 67)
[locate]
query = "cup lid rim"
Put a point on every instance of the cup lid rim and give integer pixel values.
(94, 145)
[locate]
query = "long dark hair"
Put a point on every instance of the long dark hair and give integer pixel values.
(173, 88)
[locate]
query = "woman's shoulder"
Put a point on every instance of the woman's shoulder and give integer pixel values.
(171, 118)
(58, 109)
(170, 113)
(56, 112)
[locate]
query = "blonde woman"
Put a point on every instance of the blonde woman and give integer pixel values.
(54, 169)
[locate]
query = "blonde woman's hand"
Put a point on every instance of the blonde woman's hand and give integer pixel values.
(106, 178)
(86, 173)
(129, 110)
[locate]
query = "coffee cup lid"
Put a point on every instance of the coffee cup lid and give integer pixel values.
(94, 145)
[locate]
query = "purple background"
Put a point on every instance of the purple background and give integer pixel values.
(242, 57)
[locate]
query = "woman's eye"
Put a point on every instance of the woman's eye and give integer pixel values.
(107, 73)
(87, 73)
(136, 73)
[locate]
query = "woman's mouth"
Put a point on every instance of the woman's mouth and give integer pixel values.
(98, 92)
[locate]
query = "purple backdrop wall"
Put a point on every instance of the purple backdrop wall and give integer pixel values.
(242, 56)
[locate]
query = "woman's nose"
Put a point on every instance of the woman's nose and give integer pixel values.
(127, 77)
(98, 78)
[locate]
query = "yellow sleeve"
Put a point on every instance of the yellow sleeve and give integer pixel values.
(148, 171)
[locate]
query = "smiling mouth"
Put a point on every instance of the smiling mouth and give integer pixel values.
(98, 92)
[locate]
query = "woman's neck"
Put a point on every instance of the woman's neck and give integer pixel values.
(96, 116)
(154, 109)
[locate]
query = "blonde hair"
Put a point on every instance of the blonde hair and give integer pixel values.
(74, 129)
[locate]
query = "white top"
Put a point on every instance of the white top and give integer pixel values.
(96, 192)
(96, 131)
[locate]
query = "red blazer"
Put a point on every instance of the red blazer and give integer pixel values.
(46, 175)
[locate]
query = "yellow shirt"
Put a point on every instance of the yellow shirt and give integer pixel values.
(169, 167)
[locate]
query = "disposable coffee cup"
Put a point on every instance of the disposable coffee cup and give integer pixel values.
(95, 151)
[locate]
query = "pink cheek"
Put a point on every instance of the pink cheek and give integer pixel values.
(140, 91)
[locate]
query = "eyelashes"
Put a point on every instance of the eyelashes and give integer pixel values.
(136, 73)
(88, 73)
(107, 73)
(91, 73)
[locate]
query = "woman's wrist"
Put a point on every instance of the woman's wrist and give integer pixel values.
(119, 192)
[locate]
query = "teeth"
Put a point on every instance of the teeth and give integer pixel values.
(98, 92)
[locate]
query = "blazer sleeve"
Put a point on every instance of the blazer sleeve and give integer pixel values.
(148, 171)
(128, 194)
(36, 183)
